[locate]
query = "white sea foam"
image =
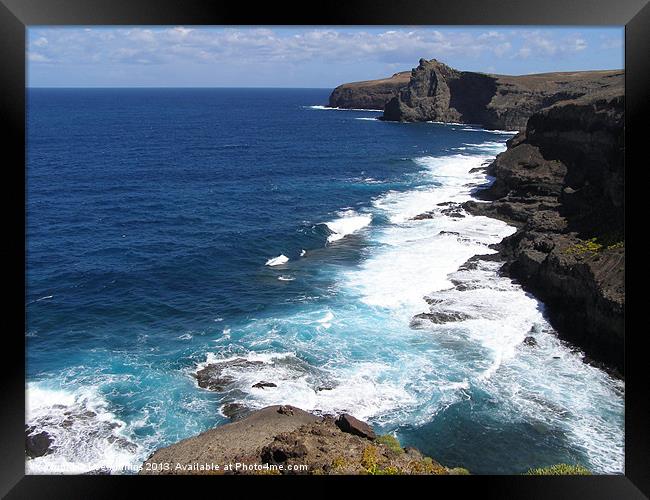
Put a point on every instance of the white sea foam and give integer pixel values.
(350, 222)
(368, 119)
(444, 123)
(364, 358)
(490, 131)
(86, 434)
(286, 278)
(343, 109)
(302, 253)
(276, 261)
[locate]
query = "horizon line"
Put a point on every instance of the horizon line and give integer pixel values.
(171, 87)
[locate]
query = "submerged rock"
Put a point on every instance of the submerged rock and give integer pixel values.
(530, 341)
(214, 378)
(437, 317)
(37, 444)
(235, 411)
(262, 385)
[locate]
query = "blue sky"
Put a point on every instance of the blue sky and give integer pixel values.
(199, 56)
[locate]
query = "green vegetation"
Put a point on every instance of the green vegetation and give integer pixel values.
(370, 459)
(426, 466)
(583, 247)
(339, 463)
(390, 442)
(591, 246)
(559, 470)
(459, 471)
(376, 460)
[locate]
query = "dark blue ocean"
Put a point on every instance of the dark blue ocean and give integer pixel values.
(168, 229)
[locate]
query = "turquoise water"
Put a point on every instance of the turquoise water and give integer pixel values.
(169, 229)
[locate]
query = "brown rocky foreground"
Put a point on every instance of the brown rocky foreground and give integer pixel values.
(288, 440)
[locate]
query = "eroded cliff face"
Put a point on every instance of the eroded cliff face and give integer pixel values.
(437, 92)
(371, 94)
(561, 182)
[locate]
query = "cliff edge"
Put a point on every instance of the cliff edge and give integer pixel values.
(370, 94)
(561, 181)
(434, 91)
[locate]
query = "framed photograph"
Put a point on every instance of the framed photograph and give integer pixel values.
(368, 240)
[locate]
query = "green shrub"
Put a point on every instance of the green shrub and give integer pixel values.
(391, 470)
(559, 470)
(584, 246)
(370, 459)
(390, 442)
(459, 471)
(426, 466)
(592, 246)
(619, 244)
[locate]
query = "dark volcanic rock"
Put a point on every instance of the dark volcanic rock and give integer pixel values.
(262, 385)
(530, 341)
(437, 92)
(437, 317)
(215, 377)
(371, 94)
(286, 410)
(235, 411)
(38, 444)
(284, 447)
(561, 183)
(424, 216)
(347, 423)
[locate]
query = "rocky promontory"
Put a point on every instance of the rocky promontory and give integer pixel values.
(288, 440)
(370, 94)
(561, 183)
(434, 91)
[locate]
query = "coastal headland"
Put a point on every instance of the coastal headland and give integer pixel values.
(560, 182)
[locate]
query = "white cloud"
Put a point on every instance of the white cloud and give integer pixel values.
(241, 46)
(544, 45)
(80, 46)
(36, 57)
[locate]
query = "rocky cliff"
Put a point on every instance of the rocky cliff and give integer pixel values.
(561, 182)
(285, 439)
(370, 94)
(435, 92)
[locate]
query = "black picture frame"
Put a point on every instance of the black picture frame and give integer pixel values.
(17, 15)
